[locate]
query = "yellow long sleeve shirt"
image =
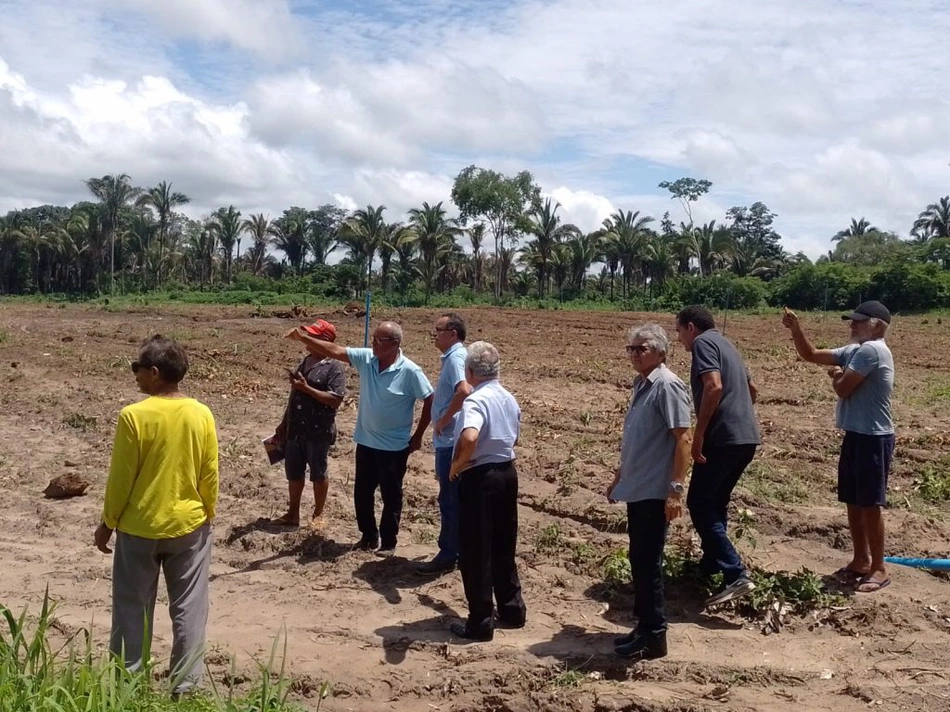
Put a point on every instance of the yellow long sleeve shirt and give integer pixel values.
(163, 481)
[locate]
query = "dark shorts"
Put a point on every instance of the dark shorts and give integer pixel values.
(863, 467)
(301, 454)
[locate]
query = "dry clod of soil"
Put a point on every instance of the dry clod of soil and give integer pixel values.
(64, 486)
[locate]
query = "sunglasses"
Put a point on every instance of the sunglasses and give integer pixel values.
(641, 349)
(136, 366)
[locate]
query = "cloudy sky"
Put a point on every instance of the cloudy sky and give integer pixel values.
(824, 110)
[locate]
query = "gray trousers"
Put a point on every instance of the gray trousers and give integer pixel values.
(135, 567)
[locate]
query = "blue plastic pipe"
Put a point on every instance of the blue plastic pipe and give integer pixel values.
(933, 564)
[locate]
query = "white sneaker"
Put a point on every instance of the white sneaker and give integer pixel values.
(737, 588)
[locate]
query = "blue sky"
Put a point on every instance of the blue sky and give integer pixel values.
(823, 110)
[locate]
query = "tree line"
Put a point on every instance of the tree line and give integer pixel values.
(507, 241)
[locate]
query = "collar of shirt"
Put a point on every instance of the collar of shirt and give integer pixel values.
(651, 377)
(454, 347)
(393, 366)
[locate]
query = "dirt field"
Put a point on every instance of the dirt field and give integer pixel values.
(377, 632)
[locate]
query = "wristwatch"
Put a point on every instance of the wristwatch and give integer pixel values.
(678, 487)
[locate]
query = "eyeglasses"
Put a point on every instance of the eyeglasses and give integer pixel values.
(136, 365)
(383, 339)
(443, 328)
(641, 349)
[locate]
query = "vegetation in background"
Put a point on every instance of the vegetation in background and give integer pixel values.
(507, 246)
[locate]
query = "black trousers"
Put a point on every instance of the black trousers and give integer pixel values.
(384, 469)
(647, 526)
(710, 489)
(488, 533)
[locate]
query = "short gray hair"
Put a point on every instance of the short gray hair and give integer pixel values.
(879, 325)
(653, 335)
(483, 360)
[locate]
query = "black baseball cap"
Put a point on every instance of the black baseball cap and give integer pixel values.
(869, 310)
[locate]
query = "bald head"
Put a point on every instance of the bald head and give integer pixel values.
(390, 330)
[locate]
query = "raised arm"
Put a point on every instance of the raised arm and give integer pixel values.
(325, 349)
(804, 347)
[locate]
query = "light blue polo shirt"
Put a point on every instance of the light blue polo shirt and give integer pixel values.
(495, 414)
(387, 399)
(868, 409)
(452, 373)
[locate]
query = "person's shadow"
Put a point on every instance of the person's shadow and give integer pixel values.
(429, 634)
(392, 575)
(315, 546)
(579, 650)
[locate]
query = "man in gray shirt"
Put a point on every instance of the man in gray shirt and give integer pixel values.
(724, 443)
(654, 456)
(862, 376)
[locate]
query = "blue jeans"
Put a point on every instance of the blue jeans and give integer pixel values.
(710, 489)
(448, 507)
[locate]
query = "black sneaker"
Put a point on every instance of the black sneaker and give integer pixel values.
(435, 567)
(366, 544)
(625, 639)
(509, 623)
(643, 648)
(461, 630)
(740, 587)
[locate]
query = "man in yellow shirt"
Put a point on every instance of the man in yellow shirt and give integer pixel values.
(161, 496)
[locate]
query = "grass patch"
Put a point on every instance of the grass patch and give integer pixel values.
(933, 483)
(769, 482)
(81, 422)
(36, 676)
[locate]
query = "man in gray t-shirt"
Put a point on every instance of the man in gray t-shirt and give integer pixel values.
(862, 376)
(724, 443)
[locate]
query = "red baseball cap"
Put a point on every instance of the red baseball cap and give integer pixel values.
(322, 329)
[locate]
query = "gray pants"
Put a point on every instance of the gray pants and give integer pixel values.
(185, 561)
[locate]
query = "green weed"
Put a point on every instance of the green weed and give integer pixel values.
(550, 539)
(933, 484)
(74, 678)
(81, 422)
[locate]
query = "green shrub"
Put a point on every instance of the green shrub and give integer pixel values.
(721, 291)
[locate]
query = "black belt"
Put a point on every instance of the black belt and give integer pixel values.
(488, 467)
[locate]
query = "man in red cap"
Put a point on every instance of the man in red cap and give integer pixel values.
(308, 428)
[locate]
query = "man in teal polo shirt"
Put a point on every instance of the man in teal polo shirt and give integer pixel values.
(390, 385)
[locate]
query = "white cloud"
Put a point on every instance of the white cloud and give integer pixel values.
(262, 26)
(824, 111)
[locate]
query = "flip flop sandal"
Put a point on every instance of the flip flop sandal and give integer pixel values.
(847, 576)
(870, 585)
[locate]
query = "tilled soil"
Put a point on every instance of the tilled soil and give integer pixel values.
(378, 632)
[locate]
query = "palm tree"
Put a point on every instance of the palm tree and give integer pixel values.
(628, 231)
(583, 250)
(857, 227)
(362, 234)
(114, 192)
(227, 227)
(397, 235)
(934, 221)
(260, 230)
(545, 225)
(163, 200)
(476, 234)
(290, 237)
(434, 237)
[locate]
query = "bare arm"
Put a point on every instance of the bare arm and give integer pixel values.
(416, 441)
(462, 391)
(712, 394)
(845, 382)
(324, 349)
(464, 450)
(330, 400)
(753, 389)
(804, 347)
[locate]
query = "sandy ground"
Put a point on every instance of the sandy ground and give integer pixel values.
(376, 631)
